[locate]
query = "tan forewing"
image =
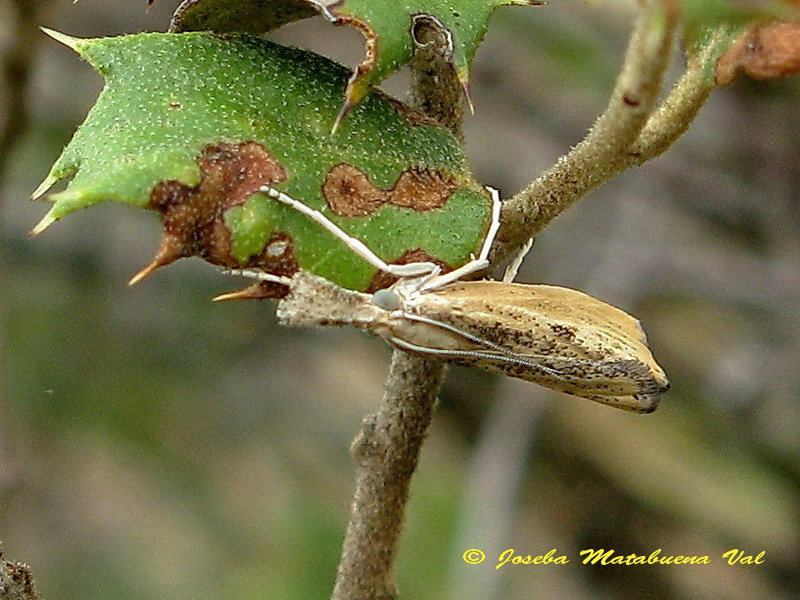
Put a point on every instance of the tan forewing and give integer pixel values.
(557, 337)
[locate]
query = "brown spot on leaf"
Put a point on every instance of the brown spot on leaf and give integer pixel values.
(193, 217)
(236, 171)
(762, 52)
(422, 189)
(277, 257)
(349, 192)
(413, 117)
(383, 280)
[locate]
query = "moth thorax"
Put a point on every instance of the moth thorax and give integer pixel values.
(425, 334)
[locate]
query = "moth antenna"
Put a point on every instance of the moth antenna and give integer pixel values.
(477, 354)
(502, 353)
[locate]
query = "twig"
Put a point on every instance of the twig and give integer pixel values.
(674, 115)
(388, 447)
(16, 581)
(15, 70)
(632, 130)
(600, 156)
(387, 451)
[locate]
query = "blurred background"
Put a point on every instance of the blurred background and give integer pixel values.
(155, 445)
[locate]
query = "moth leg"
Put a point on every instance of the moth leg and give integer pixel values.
(482, 260)
(255, 291)
(513, 268)
(259, 275)
(356, 245)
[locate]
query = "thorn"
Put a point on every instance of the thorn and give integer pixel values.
(171, 250)
(144, 273)
(257, 291)
(48, 182)
(468, 95)
(67, 40)
(356, 91)
(46, 221)
(243, 294)
(348, 104)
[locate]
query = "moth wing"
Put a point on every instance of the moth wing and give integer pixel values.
(557, 337)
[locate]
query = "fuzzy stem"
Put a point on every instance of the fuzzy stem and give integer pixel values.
(674, 115)
(16, 581)
(633, 129)
(387, 449)
(600, 156)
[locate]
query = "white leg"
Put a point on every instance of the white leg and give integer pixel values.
(259, 275)
(356, 245)
(513, 268)
(476, 264)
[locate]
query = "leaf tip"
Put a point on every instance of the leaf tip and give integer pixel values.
(158, 262)
(48, 182)
(143, 274)
(356, 91)
(46, 221)
(235, 295)
(262, 290)
(69, 41)
(348, 104)
(171, 250)
(467, 94)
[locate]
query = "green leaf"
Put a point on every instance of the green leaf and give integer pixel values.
(388, 27)
(191, 125)
(243, 16)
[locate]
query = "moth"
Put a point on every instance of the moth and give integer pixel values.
(557, 337)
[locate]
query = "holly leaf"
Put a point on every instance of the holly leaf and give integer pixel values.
(246, 16)
(192, 125)
(389, 29)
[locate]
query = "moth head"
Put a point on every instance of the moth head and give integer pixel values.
(387, 299)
